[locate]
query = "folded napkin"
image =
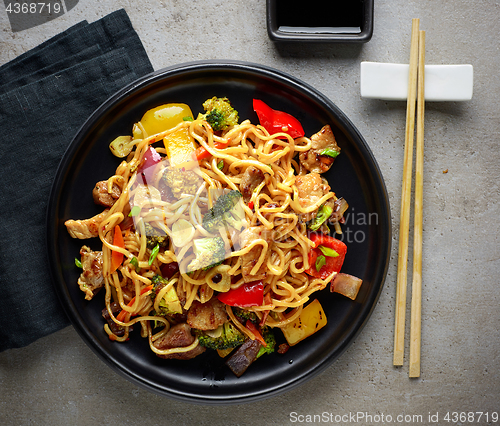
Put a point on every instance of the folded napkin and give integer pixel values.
(45, 96)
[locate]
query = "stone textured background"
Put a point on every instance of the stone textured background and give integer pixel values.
(58, 380)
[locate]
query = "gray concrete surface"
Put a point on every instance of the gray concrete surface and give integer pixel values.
(58, 380)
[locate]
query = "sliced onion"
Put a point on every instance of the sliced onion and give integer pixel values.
(347, 285)
(340, 208)
(215, 333)
(122, 146)
(224, 284)
(146, 196)
(137, 132)
(182, 232)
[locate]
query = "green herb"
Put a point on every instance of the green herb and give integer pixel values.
(330, 152)
(220, 164)
(187, 118)
(320, 262)
(78, 263)
(324, 212)
(154, 253)
(327, 251)
(135, 211)
(135, 263)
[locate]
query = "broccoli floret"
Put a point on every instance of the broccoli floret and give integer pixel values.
(181, 181)
(268, 335)
(170, 303)
(154, 237)
(243, 315)
(209, 252)
(220, 114)
(224, 337)
(221, 213)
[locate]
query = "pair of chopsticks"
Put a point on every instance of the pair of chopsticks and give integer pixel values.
(416, 94)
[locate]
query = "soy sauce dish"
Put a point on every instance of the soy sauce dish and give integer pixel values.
(320, 21)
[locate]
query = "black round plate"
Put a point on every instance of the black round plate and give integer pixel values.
(354, 176)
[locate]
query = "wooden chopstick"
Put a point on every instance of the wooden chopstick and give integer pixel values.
(416, 298)
(404, 226)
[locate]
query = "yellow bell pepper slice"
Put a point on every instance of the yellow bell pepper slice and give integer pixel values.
(311, 319)
(164, 117)
(180, 146)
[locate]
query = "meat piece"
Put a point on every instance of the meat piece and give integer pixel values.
(250, 259)
(178, 336)
(311, 188)
(115, 328)
(207, 316)
(102, 196)
(91, 279)
(251, 179)
(313, 160)
(283, 348)
(85, 228)
(243, 357)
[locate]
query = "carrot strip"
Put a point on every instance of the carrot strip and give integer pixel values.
(251, 326)
(201, 153)
(124, 316)
(116, 256)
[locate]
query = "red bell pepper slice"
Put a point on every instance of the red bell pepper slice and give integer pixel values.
(331, 264)
(124, 316)
(249, 294)
(275, 121)
(201, 153)
(116, 256)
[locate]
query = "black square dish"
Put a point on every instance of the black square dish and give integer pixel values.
(328, 21)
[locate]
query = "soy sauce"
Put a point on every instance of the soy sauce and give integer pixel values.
(320, 16)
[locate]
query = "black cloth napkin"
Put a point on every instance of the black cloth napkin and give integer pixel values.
(46, 95)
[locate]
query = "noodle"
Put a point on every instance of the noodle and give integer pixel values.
(273, 205)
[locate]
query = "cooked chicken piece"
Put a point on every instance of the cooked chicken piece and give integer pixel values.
(91, 279)
(102, 196)
(250, 180)
(313, 159)
(250, 259)
(207, 316)
(311, 188)
(179, 336)
(86, 228)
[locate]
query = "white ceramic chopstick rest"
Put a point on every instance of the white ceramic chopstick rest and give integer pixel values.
(442, 82)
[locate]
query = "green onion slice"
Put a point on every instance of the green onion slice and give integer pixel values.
(135, 263)
(327, 251)
(135, 211)
(154, 253)
(324, 212)
(78, 263)
(320, 262)
(330, 152)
